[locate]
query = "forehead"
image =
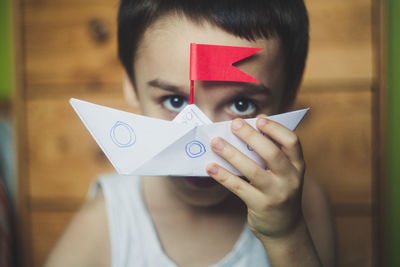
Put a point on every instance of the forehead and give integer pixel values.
(164, 51)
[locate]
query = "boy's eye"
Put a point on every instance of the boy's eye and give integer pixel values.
(174, 102)
(242, 106)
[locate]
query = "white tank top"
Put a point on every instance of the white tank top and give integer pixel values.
(134, 240)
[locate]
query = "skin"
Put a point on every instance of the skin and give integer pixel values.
(289, 214)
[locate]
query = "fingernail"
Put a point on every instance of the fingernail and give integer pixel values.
(217, 144)
(261, 122)
(212, 170)
(237, 124)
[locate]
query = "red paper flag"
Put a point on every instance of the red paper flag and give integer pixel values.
(214, 62)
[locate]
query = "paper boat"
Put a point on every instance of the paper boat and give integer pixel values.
(140, 145)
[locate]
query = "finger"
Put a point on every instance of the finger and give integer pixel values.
(288, 140)
(275, 159)
(262, 115)
(246, 166)
(245, 191)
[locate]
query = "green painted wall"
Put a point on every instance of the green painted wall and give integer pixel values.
(6, 66)
(393, 109)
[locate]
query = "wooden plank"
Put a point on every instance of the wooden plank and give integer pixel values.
(61, 50)
(40, 91)
(22, 212)
(336, 139)
(74, 43)
(67, 3)
(353, 235)
(340, 40)
(47, 227)
(63, 157)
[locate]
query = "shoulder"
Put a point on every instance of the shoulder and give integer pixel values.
(317, 212)
(86, 240)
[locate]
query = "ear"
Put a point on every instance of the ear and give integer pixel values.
(130, 94)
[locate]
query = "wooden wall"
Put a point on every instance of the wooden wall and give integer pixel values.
(68, 49)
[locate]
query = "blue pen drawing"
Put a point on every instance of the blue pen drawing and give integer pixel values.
(249, 148)
(122, 134)
(190, 116)
(195, 149)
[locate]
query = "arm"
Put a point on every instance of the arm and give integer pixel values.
(273, 196)
(314, 233)
(318, 216)
(86, 240)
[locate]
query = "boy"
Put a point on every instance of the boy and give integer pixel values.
(268, 217)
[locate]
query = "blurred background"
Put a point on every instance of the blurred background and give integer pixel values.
(52, 50)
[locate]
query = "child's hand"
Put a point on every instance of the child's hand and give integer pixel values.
(273, 196)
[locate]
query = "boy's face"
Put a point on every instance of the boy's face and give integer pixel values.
(162, 84)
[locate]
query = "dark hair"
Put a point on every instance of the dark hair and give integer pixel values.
(249, 19)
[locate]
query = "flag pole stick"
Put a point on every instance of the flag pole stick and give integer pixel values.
(191, 91)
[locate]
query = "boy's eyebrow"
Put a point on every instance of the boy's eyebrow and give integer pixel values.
(248, 88)
(254, 89)
(165, 86)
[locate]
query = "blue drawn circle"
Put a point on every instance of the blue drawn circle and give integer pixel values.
(195, 149)
(189, 116)
(122, 134)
